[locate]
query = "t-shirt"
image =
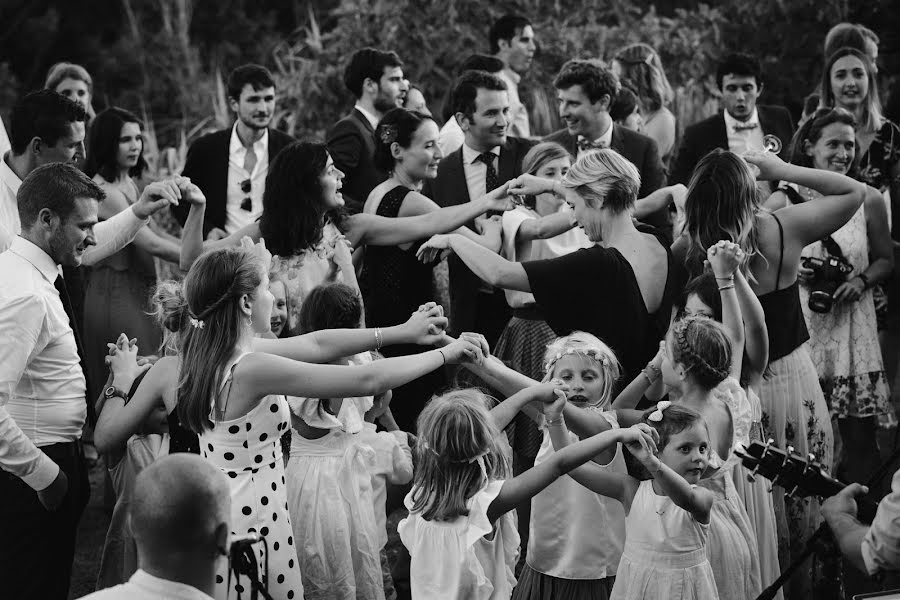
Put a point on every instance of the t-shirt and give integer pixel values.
(595, 290)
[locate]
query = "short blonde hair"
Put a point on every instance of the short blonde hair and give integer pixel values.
(605, 177)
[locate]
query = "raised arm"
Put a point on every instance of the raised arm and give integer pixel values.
(657, 200)
(375, 230)
(423, 328)
(725, 257)
(756, 332)
(546, 227)
(192, 232)
(504, 412)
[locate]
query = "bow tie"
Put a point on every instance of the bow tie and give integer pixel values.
(585, 144)
(745, 126)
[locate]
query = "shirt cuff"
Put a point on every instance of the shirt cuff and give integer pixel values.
(45, 474)
(112, 235)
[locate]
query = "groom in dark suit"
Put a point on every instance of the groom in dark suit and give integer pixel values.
(742, 124)
(586, 91)
(231, 165)
(487, 159)
(375, 78)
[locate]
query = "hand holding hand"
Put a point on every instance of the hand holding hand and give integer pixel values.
(343, 256)
(462, 351)
(190, 192)
(478, 340)
(499, 199)
(425, 327)
(436, 248)
(641, 440)
(123, 363)
(259, 248)
(215, 234)
(530, 185)
(156, 196)
(725, 258)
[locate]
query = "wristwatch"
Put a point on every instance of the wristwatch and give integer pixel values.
(114, 392)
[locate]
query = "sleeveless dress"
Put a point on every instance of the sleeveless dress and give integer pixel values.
(333, 515)
(844, 341)
(303, 271)
(247, 450)
(795, 414)
(755, 494)
(116, 300)
(576, 538)
(394, 284)
(665, 552)
(732, 547)
(468, 558)
(119, 559)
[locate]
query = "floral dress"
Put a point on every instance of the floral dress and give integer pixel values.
(304, 271)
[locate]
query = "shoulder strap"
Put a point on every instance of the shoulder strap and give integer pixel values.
(226, 383)
(392, 201)
(780, 251)
(792, 194)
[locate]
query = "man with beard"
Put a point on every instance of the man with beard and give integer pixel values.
(230, 165)
(375, 78)
(742, 124)
(512, 41)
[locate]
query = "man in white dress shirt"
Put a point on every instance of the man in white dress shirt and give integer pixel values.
(512, 41)
(181, 517)
(43, 483)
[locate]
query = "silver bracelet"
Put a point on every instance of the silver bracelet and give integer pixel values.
(379, 338)
(557, 421)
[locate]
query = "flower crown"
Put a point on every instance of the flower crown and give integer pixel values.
(597, 355)
(388, 134)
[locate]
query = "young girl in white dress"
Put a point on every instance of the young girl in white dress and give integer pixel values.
(460, 532)
(577, 535)
(667, 523)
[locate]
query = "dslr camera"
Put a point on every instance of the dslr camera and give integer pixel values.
(828, 274)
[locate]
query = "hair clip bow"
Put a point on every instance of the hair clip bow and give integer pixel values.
(388, 134)
(196, 323)
(657, 415)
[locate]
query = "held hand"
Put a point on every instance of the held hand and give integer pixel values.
(844, 502)
(461, 351)
(850, 291)
(478, 340)
(499, 199)
(123, 363)
(425, 327)
(530, 185)
(190, 192)
(434, 249)
(489, 226)
(342, 256)
(770, 166)
(549, 392)
(156, 196)
(259, 248)
(641, 440)
(215, 234)
(52, 496)
(725, 258)
(554, 406)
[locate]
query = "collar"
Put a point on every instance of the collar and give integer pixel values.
(606, 138)
(7, 175)
(39, 259)
(166, 588)
(372, 119)
(511, 75)
(730, 121)
(470, 155)
(259, 146)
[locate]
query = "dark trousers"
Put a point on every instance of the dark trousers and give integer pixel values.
(36, 546)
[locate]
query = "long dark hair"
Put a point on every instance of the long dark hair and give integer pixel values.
(106, 129)
(294, 214)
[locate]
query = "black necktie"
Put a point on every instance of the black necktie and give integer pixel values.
(60, 285)
(490, 181)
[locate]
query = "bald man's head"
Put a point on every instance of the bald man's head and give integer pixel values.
(181, 504)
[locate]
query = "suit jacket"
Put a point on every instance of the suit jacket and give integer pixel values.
(701, 138)
(207, 166)
(640, 150)
(449, 189)
(351, 143)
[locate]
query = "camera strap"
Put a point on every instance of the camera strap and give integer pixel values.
(828, 242)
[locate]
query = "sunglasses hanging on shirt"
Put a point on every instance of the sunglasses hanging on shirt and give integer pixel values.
(247, 204)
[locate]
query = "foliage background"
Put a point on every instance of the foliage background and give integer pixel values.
(165, 59)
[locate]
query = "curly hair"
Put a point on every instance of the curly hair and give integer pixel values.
(595, 80)
(703, 348)
(294, 213)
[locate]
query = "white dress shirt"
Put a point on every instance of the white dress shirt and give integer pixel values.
(372, 119)
(42, 386)
(605, 140)
(518, 114)
(144, 586)
(110, 235)
(476, 171)
(451, 136)
(4, 139)
(881, 546)
(740, 141)
(235, 216)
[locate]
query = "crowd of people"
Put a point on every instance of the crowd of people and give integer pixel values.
(626, 302)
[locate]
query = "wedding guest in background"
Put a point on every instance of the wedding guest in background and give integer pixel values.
(638, 67)
(415, 101)
(741, 125)
(74, 82)
(231, 165)
(512, 41)
(855, 36)
(626, 111)
(375, 78)
(452, 136)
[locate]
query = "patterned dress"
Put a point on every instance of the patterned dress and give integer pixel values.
(844, 341)
(247, 450)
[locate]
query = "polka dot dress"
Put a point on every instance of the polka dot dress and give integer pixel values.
(248, 451)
